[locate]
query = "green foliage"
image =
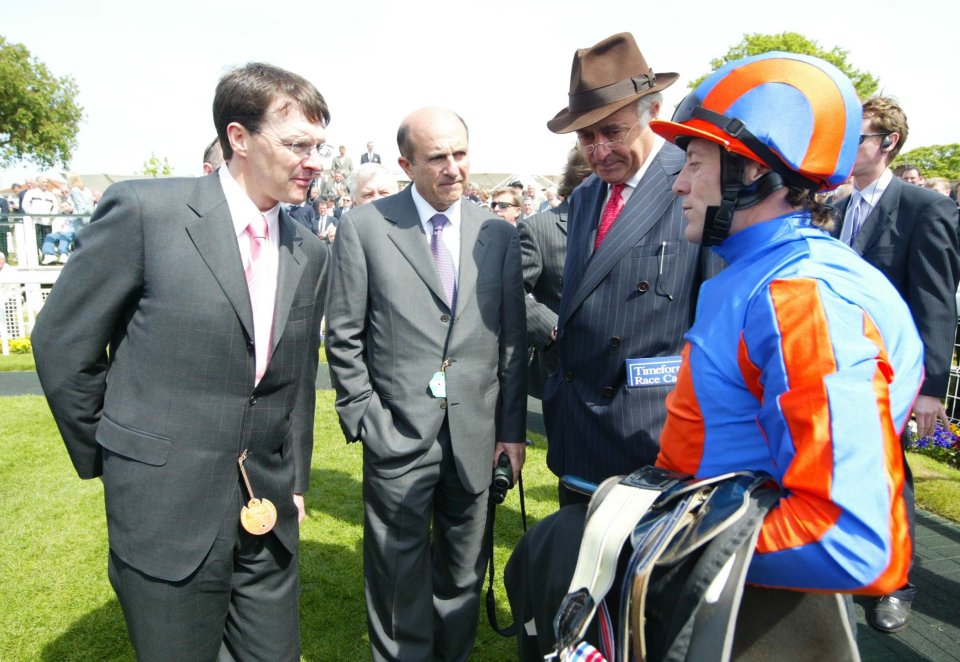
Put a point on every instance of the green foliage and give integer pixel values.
(933, 160)
(39, 115)
(791, 42)
(20, 346)
(156, 167)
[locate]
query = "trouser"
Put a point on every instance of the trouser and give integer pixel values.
(242, 603)
(422, 594)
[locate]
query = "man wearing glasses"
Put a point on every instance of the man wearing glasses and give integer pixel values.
(209, 298)
(910, 234)
(630, 278)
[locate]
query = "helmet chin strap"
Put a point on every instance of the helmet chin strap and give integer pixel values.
(735, 195)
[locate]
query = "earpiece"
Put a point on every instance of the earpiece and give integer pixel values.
(886, 144)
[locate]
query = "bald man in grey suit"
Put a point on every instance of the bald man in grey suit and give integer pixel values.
(427, 354)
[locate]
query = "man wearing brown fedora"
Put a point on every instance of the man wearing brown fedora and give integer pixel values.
(630, 279)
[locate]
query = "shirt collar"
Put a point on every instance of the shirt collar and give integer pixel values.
(426, 211)
(242, 208)
(873, 191)
(632, 183)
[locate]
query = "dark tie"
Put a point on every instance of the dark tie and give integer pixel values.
(610, 211)
(444, 261)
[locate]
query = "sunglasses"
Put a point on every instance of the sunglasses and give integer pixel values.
(501, 205)
(864, 136)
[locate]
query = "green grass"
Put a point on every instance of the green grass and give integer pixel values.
(16, 362)
(937, 485)
(53, 556)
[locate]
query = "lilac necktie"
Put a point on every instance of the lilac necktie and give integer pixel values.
(856, 219)
(444, 261)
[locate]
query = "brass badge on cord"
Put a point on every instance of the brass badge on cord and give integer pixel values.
(259, 515)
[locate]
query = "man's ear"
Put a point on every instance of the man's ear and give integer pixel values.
(238, 135)
(405, 165)
(752, 171)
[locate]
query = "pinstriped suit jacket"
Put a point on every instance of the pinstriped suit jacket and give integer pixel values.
(911, 236)
(633, 298)
(543, 249)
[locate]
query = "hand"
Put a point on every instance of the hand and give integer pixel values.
(517, 453)
(301, 510)
(928, 410)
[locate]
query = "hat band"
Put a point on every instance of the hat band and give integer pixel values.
(622, 89)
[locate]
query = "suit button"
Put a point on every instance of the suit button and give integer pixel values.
(444, 318)
(607, 391)
(253, 400)
(643, 286)
(443, 404)
(250, 345)
(568, 376)
(615, 341)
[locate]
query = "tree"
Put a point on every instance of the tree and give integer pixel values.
(791, 42)
(155, 166)
(933, 160)
(39, 115)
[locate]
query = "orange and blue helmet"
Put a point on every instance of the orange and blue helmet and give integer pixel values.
(797, 114)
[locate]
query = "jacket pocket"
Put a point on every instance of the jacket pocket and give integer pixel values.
(133, 444)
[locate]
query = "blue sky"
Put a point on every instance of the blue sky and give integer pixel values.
(146, 72)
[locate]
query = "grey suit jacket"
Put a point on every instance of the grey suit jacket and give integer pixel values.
(632, 298)
(911, 236)
(157, 276)
(390, 329)
(543, 249)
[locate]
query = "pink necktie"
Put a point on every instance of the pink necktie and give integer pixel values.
(257, 282)
(610, 211)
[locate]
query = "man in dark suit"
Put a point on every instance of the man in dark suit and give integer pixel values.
(208, 297)
(910, 234)
(630, 279)
(543, 249)
(427, 354)
(369, 156)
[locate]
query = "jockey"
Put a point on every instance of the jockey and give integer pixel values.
(803, 361)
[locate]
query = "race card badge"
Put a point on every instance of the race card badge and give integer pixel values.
(658, 371)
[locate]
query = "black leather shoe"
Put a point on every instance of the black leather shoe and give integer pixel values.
(891, 614)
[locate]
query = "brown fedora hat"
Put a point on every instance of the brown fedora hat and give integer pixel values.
(605, 78)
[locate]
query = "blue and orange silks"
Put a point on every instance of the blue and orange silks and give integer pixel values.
(803, 362)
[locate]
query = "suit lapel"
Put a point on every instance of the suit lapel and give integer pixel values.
(473, 246)
(408, 236)
(585, 206)
(880, 218)
(213, 234)
(291, 263)
(649, 201)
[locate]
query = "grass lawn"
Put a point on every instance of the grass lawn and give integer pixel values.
(16, 362)
(53, 559)
(53, 577)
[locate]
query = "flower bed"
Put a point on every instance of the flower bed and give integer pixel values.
(943, 445)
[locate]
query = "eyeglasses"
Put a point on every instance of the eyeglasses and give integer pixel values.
(301, 148)
(618, 137)
(501, 205)
(864, 136)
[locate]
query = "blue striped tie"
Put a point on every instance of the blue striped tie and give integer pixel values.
(441, 255)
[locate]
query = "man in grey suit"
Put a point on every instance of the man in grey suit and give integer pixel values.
(369, 156)
(178, 353)
(630, 279)
(427, 354)
(910, 234)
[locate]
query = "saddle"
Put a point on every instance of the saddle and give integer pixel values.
(680, 548)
